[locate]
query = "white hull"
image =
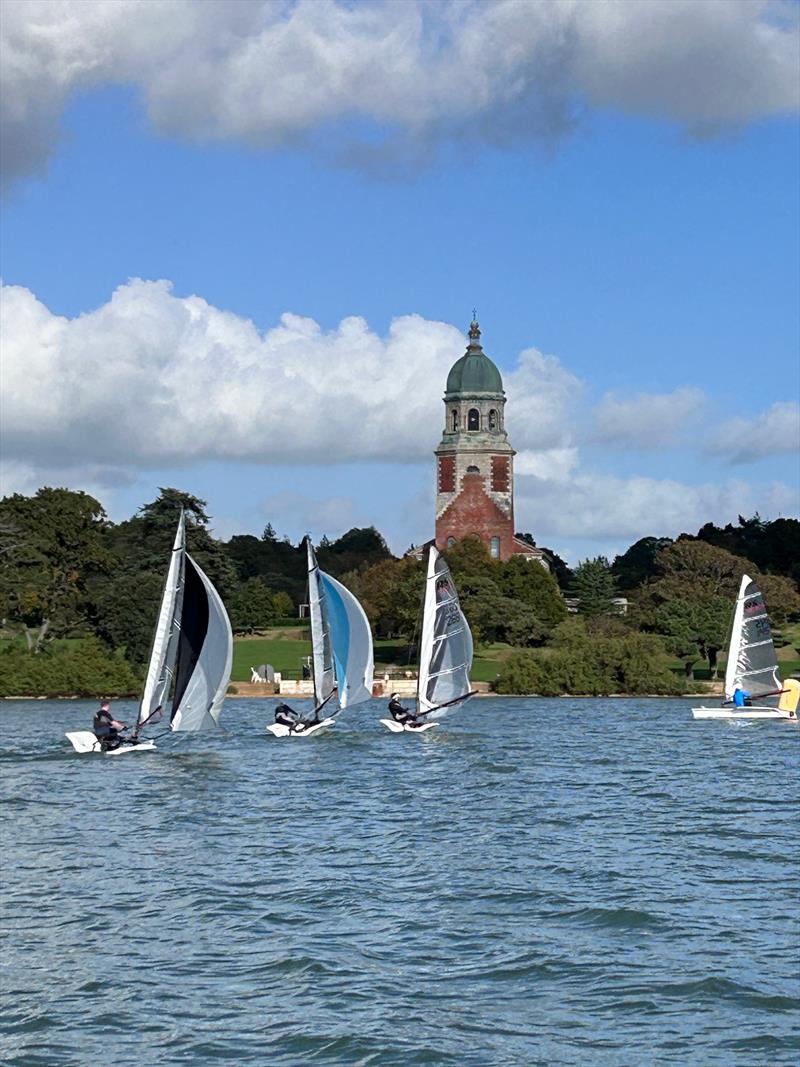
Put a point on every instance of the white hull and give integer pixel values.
(84, 741)
(401, 727)
(740, 713)
(279, 730)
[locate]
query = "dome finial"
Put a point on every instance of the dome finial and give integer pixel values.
(474, 328)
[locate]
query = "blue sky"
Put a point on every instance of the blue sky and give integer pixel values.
(647, 266)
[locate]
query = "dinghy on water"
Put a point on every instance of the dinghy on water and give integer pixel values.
(445, 654)
(191, 657)
(752, 664)
(341, 643)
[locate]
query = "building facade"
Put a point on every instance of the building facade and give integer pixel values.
(475, 460)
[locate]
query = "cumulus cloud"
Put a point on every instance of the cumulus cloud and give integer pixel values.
(648, 420)
(150, 379)
(269, 72)
(774, 432)
(616, 511)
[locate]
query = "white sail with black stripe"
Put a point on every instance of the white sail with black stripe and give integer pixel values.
(446, 643)
(205, 654)
(752, 663)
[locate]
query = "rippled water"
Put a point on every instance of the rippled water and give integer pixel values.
(535, 882)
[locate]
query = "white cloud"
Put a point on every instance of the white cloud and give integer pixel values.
(151, 379)
(614, 512)
(275, 71)
(648, 420)
(774, 432)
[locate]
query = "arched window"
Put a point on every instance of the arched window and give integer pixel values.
(473, 470)
(473, 419)
(494, 548)
(450, 542)
(454, 420)
(493, 423)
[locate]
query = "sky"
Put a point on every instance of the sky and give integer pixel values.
(242, 243)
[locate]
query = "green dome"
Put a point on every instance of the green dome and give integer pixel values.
(474, 372)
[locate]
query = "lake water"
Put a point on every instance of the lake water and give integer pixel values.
(593, 882)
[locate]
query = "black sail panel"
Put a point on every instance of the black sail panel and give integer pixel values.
(194, 627)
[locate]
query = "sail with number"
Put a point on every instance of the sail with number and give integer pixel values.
(192, 650)
(752, 663)
(446, 643)
(341, 639)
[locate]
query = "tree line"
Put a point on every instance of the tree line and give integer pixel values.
(67, 572)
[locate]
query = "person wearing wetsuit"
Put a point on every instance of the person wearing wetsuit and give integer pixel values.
(401, 714)
(286, 716)
(106, 728)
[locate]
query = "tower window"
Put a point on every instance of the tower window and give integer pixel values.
(472, 469)
(493, 422)
(473, 419)
(494, 548)
(454, 420)
(450, 542)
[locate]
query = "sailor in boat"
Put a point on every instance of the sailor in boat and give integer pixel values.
(106, 728)
(401, 714)
(741, 698)
(287, 716)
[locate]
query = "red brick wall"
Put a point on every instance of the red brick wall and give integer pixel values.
(499, 474)
(447, 474)
(472, 512)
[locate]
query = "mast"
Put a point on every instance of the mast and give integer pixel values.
(321, 655)
(163, 650)
(428, 625)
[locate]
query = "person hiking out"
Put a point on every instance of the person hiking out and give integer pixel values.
(106, 728)
(400, 714)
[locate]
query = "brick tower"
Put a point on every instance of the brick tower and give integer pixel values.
(474, 461)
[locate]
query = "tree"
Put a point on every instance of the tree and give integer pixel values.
(529, 582)
(638, 563)
(126, 598)
(391, 594)
(690, 600)
(594, 586)
(284, 606)
(55, 542)
(269, 533)
(252, 606)
(357, 549)
(469, 558)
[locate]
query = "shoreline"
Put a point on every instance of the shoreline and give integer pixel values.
(499, 696)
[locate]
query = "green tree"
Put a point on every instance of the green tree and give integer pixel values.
(391, 594)
(529, 582)
(595, 587)
(284, 606)
(638, 563)
(252, 606)
(54, 542)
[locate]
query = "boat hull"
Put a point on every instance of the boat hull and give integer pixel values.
(401, 727)
(740, 713)
(84, 741)
(277, 729)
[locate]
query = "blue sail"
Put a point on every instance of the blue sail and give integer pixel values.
(351, 642)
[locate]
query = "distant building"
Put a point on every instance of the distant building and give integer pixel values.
(475, 461)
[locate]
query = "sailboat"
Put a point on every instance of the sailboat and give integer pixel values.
(752, 664)
(341, 643)
(190, 657)
(445, 652)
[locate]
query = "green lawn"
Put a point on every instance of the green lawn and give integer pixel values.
(286, 655)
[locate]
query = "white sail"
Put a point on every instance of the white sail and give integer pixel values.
(446, 642)
(205, 654)
(351, 642)
(160, 669)
(752, 663)
(322, 653)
